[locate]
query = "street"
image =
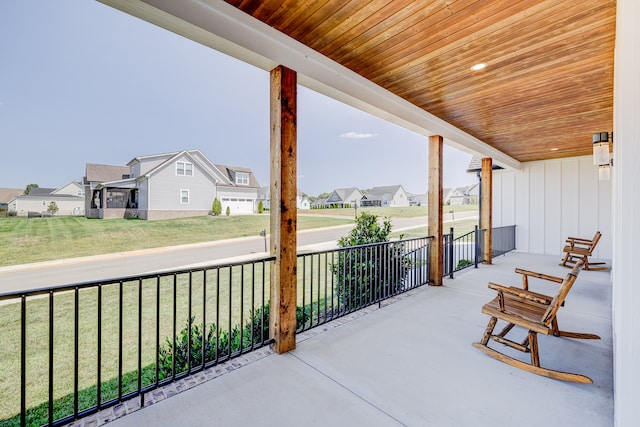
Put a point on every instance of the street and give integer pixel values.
(88, 269)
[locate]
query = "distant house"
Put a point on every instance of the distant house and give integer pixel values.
(344, 197)
(264, 195)
(7, 195)
(69, 199)
(319, 203)
(417, 199)
(393, 195)
(170, 185)
(461, 196)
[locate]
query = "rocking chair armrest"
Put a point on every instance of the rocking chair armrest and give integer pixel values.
(521, 293)
(579, 239)
(542, 276)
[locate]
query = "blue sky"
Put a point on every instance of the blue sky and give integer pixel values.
(81, 83)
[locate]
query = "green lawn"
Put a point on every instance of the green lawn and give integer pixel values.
(44, 239)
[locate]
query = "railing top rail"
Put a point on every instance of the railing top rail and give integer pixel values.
(413, 239)
(465, 235)
(131, 278)
(503, 226)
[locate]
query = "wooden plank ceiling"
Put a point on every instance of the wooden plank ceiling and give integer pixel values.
(547, 87)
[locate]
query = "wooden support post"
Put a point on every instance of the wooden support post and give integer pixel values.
(283, 209)
(434, 209)
(485, 215)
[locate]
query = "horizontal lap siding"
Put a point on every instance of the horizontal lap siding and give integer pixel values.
(166, 186)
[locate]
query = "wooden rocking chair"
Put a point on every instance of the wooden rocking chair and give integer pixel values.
(534, 312)
(581, 249)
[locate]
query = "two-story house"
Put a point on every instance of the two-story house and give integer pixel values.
(169, 185)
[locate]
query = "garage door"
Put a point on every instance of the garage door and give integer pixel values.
(237, 206)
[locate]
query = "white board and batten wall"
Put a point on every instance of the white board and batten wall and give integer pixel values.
(551, 200)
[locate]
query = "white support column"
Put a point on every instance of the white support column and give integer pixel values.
(626, 205)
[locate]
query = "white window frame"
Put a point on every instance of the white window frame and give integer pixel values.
(184, 168)
(188, 193)
(244, 176)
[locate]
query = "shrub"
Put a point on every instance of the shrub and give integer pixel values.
(184, 348)
(228, 211)
(260, 207)
(363, 275)
(52, 208)
(216, 207)
(463, 263)
(254, 332)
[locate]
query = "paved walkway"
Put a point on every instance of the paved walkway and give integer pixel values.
(409, 363)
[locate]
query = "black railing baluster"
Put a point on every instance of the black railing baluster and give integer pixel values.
(120, 337)
(157, 330)
(140, 341)
(204, 318)
(99, 350)
(476, 246)
(173, 348)
(23, 360)
(230, 349)
(189, 323)
(304, 283)
(451, 245)
(241, 308)
(76, 348)
(218, 329)
(51, 318)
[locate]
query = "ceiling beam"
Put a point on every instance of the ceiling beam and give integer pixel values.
(222, 27)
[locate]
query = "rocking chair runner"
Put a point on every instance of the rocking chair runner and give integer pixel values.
(581, 249)
(534, 312)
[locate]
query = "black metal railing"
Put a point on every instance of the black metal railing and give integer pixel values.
(466, 250)
(503, 240)
(337, 282)
(70, 351)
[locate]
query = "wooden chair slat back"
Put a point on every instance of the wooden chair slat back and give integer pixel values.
(594, 242)
(563, 291)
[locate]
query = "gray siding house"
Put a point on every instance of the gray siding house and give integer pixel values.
(392, 195)
(169, 185)
(343, 197)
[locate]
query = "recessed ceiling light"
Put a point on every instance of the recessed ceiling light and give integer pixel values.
(555, 149)
(479, 66)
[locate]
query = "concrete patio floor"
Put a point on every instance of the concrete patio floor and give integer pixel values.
(411, 363)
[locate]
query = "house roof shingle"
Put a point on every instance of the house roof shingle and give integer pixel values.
(8, 194)
(230, 171)
(105, 173)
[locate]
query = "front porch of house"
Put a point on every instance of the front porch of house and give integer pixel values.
(409, 362)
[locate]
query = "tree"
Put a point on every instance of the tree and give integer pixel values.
(52, 208)
(29, 187)
(228, 211)
(323, 196)
(260, 207)
(368, 271)
(216, 207)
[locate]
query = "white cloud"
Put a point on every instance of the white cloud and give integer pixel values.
(356, 135)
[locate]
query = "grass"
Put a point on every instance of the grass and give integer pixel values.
(45, 239)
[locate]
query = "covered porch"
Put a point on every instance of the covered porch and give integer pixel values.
(409, 362)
